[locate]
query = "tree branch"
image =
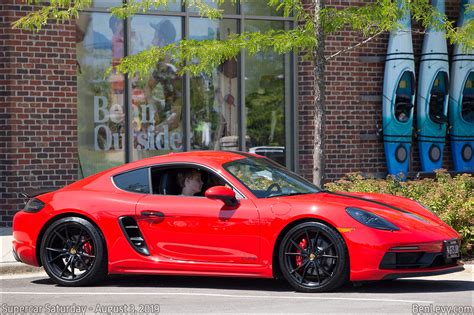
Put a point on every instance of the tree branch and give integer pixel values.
(355, 46)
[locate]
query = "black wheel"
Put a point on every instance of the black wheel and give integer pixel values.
(73, 252)
(313, 258)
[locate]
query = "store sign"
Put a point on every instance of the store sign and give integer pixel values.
(149, 139)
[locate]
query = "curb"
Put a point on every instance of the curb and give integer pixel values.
(17, 268)
(469, 268)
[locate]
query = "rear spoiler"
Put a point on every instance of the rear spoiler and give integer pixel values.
(30, 193)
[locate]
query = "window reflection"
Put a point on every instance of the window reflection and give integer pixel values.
(106, 3)
(265, 98)
(214, 97)
(259, 7)
(227, 7)
(99, 41)
(157, 99)
(172, 5)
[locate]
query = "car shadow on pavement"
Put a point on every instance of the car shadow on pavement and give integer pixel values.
(415, 286)
(154, 281)
(271, 285)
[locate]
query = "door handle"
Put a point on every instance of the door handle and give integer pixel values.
(153, 214)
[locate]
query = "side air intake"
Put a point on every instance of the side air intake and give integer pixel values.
(134, 236)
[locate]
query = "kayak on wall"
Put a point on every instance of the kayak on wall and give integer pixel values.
(398, 98)
(432, 96)
(461, 101)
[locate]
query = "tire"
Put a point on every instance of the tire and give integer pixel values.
(73, 252)
(318, 265)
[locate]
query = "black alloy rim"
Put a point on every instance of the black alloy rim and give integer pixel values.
(311, 257)
(70, 252)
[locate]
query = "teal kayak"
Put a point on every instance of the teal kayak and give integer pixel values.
(432, 96)
(461, 101)
(399, 98)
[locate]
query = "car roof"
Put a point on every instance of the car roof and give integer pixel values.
(207, 157)
(213, 159)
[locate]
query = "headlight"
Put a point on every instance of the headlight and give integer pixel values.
(33, 205)
(371, 220)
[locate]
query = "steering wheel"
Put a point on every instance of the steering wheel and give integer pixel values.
(268, 192)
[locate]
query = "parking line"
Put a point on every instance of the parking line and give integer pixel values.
(221, 295)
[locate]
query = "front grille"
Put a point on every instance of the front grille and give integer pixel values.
(414, 260)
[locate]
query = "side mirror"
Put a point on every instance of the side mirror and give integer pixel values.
(223, 193)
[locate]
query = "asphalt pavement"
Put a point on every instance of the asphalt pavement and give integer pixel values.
(170, 294)
(25, 289)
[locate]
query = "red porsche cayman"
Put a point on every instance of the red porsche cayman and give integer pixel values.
(247, 217)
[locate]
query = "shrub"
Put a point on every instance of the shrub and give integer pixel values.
(451, 198)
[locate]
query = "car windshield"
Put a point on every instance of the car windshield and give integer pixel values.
(265, 178)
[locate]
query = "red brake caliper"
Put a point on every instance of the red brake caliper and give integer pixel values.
(87, 248)
(303, 244)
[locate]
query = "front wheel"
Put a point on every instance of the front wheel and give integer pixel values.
(73, 252)
(313, 258)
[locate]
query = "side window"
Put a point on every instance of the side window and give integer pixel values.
(134, 181)
(188, 181)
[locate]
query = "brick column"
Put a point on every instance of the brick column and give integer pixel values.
(38, 113)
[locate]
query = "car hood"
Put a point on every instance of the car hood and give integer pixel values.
(401, 211)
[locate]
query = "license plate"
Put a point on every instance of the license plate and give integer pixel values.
(451, 249)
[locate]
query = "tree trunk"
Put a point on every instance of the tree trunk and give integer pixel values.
(319, 93)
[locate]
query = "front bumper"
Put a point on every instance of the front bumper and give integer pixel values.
(418, 273)
(368, 248)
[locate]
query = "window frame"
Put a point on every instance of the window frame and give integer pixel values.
(112, 178)
(177, 165)
(238, 192)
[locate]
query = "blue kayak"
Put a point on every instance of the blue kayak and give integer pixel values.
(432, 96)
(399, 98)
(461, 102)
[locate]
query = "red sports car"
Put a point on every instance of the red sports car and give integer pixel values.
(227, 214)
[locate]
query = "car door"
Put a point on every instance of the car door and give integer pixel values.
(181, 228)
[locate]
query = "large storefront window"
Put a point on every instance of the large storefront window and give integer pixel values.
(157, 100)
(244, 104)
(101, 120)
(215, 96)
(265, 97)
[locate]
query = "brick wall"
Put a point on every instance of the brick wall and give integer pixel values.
(38, 120)
(354, 82)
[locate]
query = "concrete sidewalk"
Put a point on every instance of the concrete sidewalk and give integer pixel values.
(8, 264)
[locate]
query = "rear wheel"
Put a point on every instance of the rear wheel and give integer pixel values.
(73, 252)
(313, 258)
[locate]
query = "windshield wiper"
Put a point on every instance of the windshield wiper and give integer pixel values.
(290, 194)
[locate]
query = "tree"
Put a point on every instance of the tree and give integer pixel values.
(315, 21)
